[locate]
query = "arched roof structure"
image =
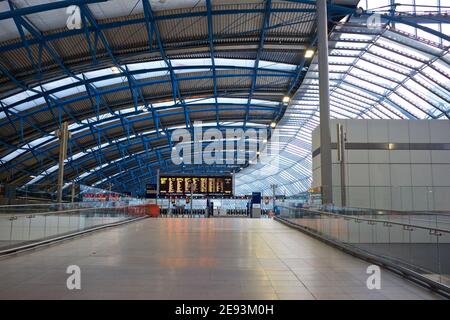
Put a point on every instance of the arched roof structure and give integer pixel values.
(137, 70)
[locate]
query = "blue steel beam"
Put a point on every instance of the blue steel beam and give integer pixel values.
(273, 72)
(111, 143)
(175, 88)
(142, 151)
(211, 50)
(118, 24)
(215, 95)
(168, 114)
(152, 166)
(136, 141)
(265, 25)
(124, 88)
(92, 124)
(87, 14)
(111, 126)
(22, 22)
(19, 12)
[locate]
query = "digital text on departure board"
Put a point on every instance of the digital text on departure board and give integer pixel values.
(186, 185)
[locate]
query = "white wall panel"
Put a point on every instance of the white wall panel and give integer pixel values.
(399, 156)
(398, 131)
(380, 175)
(358, 174)
(377, 131)
(440, 131)
(421, 175)
(419, 131)
(395, 179)
(441, 175)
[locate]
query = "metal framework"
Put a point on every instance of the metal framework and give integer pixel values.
(386, 71)
(133, 72)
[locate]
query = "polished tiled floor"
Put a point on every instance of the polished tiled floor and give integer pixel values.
(197, 259)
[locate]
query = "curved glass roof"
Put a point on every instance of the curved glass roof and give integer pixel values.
(137, 72)
(26, 100)
(393, 71)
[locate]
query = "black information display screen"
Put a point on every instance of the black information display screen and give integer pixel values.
(150, 191)
(182, 185)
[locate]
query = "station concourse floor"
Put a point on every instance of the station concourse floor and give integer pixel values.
(197, 258)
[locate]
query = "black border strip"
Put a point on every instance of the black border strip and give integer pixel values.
(388, 146)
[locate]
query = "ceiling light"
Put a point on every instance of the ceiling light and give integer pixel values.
(286, 99)
(273, 124)
(115, 70)
(309, 53)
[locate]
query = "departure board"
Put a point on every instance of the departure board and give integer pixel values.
(204, 185)
(228, 185)
(211, 185)
(196, 183)
(187, 185)
(163, 185)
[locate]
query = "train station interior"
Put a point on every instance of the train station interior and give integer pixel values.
(225, 149)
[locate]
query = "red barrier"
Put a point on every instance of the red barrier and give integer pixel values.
(151, 210)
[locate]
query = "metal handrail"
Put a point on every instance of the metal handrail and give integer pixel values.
(370, 220)
(8, 216)
(382, 212)
(47, 204)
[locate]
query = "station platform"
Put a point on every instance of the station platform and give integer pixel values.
(182, 258)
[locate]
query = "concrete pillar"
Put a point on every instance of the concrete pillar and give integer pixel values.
(274, 192)
(324, 92)
(341, 159)
(73, 192)
(63, 135)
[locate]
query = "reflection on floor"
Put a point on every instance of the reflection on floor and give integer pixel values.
(197, 259)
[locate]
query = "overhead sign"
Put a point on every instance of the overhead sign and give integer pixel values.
(151, 191)
(256, 198)
(204, 185)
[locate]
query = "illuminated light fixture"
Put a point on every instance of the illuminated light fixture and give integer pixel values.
(309, 53)
(115, 69)
(273, 124)
(286, 99)
(258, 153)
(265, 141)
(32, 177)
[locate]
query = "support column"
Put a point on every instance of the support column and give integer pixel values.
(73, 192)
(274, 191)
(341, 159)
(63, 135)
(324, 92)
